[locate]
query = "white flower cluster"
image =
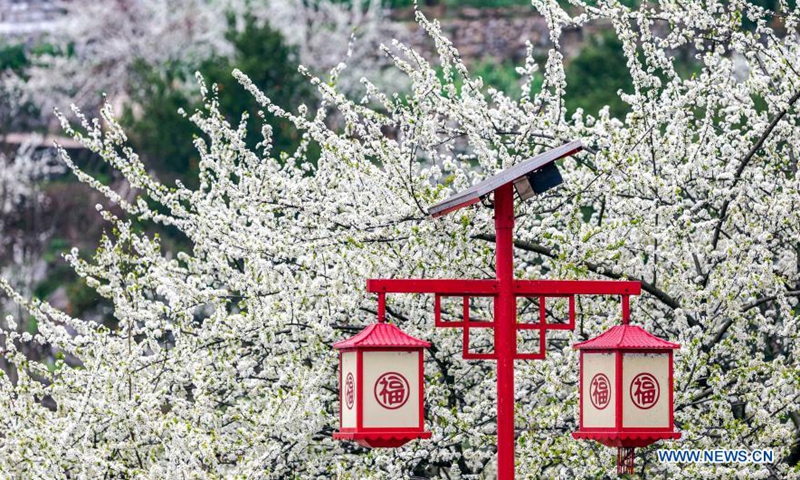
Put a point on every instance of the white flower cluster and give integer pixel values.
(222, 366)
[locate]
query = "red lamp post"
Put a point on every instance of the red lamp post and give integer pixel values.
(528, 178)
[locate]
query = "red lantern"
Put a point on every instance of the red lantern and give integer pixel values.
(626, 391)
(381, 387)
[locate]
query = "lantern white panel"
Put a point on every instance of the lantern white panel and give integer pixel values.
(349, 390)
(645, 387)
(391, 389)
(598, 395)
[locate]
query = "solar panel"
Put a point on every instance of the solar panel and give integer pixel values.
(512, 174)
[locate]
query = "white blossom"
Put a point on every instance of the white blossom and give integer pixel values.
(222, 365)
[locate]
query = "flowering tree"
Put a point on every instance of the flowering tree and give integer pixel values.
(101, 43)
(221, 364)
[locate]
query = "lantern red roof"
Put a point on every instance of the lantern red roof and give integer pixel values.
(626, 337)
(381, 335)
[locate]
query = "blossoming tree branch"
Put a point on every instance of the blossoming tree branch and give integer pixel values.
(221, 364)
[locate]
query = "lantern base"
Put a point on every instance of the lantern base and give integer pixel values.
(381, 439)
(626, 439)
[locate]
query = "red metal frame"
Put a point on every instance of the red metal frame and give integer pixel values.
(504, 289)
(437, 313)
(671, 392)
(490, 287)
(556, 288)
(580, 392)
(421, 381)
(448, 286)
(360, 383)
(619, 393)
(505, 340)
(467, 324)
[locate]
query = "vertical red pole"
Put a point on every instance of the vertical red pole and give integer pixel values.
(626, 309)
(505, 335)
(381, 307)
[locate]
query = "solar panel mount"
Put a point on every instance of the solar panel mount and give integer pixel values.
(530, 177)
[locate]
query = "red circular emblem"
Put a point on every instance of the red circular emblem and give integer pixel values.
(391, 390)
(645, 391)
(349, 391)
(600, 391)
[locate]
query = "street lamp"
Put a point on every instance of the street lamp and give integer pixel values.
(530, 177)
(626, 390)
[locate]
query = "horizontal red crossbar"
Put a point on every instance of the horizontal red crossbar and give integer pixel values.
(576, 287)
(442, 286)
(489, 287)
